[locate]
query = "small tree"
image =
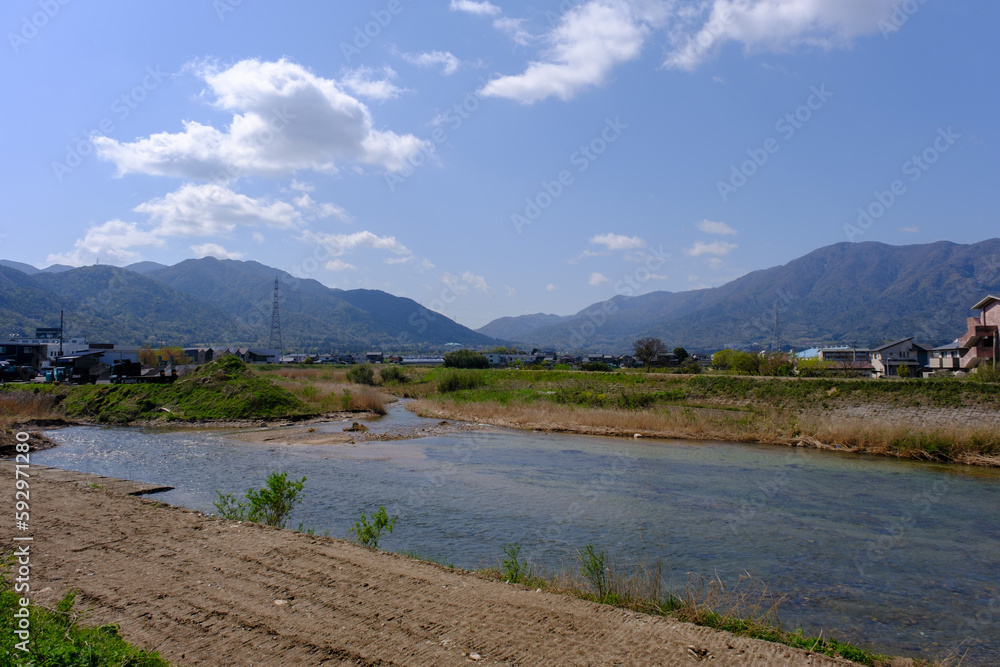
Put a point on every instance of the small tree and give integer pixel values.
(904, 371)
(681, 354)
(368, 533)
(647, 349)
(147, 357)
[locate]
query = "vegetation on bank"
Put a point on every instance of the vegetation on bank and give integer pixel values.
(746, 609)
(57, 640)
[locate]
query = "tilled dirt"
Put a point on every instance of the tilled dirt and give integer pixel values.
(204, 591)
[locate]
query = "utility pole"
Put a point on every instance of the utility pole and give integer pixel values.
(60, 333)
(275, 342)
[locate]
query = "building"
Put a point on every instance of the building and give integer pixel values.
(888, 359)
(945, 358)
(979, 344)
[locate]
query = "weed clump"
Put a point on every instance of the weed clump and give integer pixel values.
(270, 505)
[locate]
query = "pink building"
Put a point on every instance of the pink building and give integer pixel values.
(980, 342)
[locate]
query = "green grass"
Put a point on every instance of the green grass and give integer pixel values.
(57, 640)
(222, 389)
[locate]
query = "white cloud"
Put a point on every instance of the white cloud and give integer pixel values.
(714, 248)
(597, 279)
(484, 8)
(301, 187)
(214, 250)
(318, 210)
(910, 230)
(339, 265)
(468, 280)
(514, 29)
(257, 237)
(338, 244)
(510, 290)
(777, 25)
(207, 210)
(615, 242)
(364, 81)
(586, 44)
(719, 228)
(448, 63)
(111, 241)
(285, 118)
(550, 288)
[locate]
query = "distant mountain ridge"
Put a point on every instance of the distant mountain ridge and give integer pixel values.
(867, 293)
(203, 301)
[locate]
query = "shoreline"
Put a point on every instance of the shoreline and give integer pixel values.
(194, 588)
(585, 421)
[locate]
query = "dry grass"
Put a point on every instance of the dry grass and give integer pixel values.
(979, 445)
(22, 406)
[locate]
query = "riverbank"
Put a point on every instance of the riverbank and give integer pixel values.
(951, 421)
(201, 590)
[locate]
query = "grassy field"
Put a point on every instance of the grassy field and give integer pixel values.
(813, 412)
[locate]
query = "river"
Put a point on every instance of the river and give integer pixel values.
(900, 557)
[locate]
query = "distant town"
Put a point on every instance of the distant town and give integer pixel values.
(50, 356)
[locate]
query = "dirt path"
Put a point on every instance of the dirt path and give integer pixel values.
(204, 591)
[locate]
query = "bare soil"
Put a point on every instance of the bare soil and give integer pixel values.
(204, 591)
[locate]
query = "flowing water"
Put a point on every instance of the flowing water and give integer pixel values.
(896, 556)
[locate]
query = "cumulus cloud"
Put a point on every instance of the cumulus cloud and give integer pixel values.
(319, 210)
(338, 244)
(207, 210)
(113, 241)
(719, 248)
(616, 242)
(214, 250)
(775, 25)
(583, 48)
(719, 228)
(468, 280)
(484, 8)
(597, 279)
(448, 63)
(339, 265)
(285, 118)
(366, 82)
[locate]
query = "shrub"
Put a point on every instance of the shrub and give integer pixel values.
(597, 366)
(393, 374)
(515, 570)
(465, 359)
(458, 380)
(363, 374)
(270, 505)
(367, 533)
(594, 570)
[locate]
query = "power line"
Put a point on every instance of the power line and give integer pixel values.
(275, 343)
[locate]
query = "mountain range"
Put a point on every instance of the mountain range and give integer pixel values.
(868, 293)
(865, 293)
(212, 301)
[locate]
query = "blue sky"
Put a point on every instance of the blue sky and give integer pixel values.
(495, 158)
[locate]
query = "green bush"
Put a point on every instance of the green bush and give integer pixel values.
(593, 567)
(368, 533)
(596, 366)
(270, 505)
(465, 359)
(459, 380)
(363, 374)
(515, 570)
(393, 374)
